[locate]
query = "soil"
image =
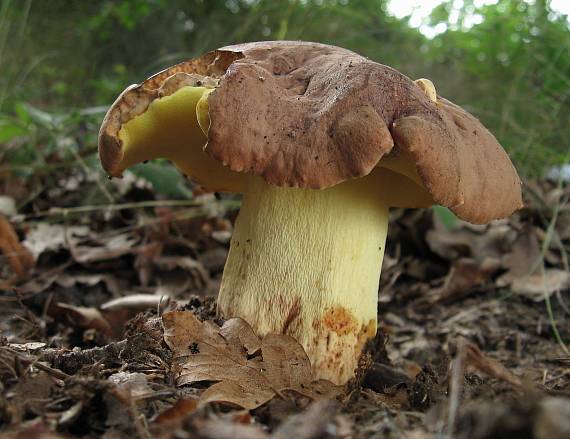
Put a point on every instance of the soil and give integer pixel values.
(470, 342)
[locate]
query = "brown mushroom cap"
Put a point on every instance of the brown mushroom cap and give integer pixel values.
(311, 115)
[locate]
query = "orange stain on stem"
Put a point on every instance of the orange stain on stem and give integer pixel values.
(339, 320)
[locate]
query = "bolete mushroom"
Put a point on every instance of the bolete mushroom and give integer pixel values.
(322, 142)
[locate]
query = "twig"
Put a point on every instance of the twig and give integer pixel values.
(72, 361)
(63, 211)
(33, 361)
(155, 396)
(550, 231)
(456, 385)
(547, 302)
(562, 302)
(551, 314)
(50, 370)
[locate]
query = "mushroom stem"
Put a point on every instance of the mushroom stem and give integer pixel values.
(307, 263)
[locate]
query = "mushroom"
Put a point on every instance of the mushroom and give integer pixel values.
(322, 142)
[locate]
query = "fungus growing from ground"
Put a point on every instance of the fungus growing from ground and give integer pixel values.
(322, 142)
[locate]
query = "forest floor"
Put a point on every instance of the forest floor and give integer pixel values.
(472, 324)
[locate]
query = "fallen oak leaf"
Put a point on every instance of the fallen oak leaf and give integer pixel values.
(201, 353)
(247, 371)
(239, 333)
(249, 394)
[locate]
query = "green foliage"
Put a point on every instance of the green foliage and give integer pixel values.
(164, 178)
(446, 216)
(511, 67)
(33, 136)
(513, 71)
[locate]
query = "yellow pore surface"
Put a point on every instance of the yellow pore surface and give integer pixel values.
(173, 128)
(170, 129)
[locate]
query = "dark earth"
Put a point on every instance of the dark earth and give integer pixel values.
(471, 339)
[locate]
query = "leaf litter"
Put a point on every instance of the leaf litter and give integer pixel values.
(465, 344)
(248, 370)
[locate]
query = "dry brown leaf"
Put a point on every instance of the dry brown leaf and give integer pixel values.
(44, 237)
(238, 332)
(248, 371)
(136, 302)
(464, 274)
(478, 360)
(523, 256)
(81, 317)
(145, 256)
(30, 394)
(190, 265)
(112, 248)
(180, 410)
(119, 311)
(467, 240)
(19, 258)
(539, 285)
(84, 246)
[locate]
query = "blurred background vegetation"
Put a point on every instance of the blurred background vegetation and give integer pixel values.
(62, 62)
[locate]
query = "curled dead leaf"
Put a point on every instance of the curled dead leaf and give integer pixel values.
(180, 410)
(136, 302)
(106, 249)
(538, 285)
(119, 311)
(19, 258)
(81, 317)
(467, 240)
(247, 371)
(463, 276)
(470, 356)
